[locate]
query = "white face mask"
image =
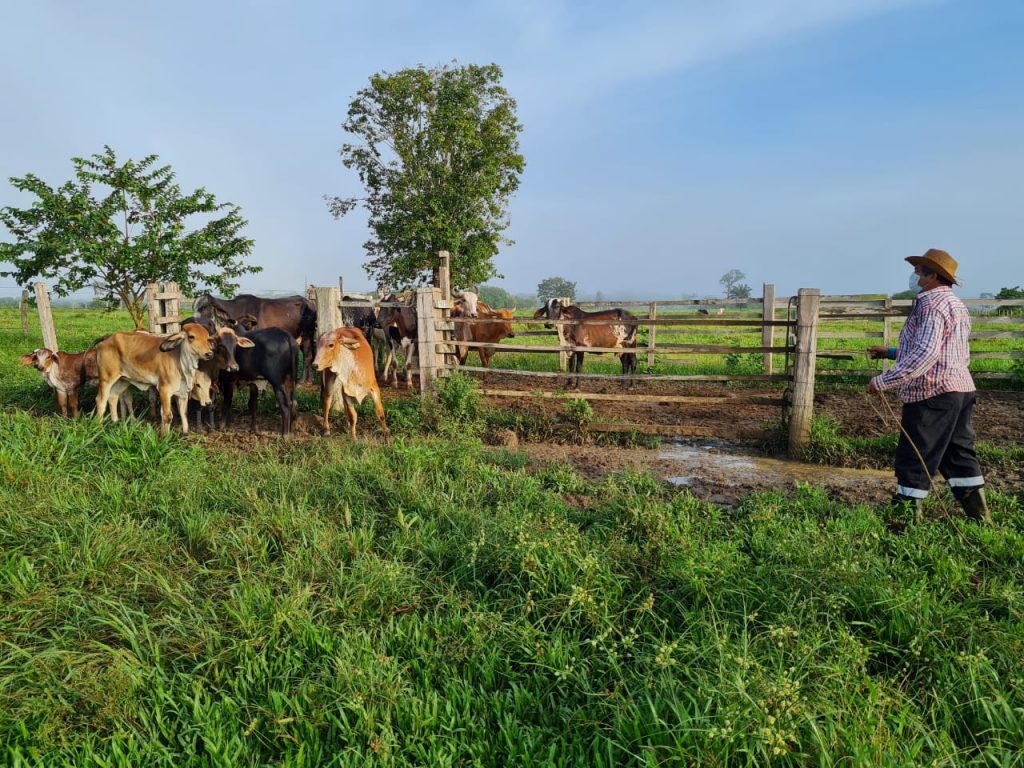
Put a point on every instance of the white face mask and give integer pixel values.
(915, 286)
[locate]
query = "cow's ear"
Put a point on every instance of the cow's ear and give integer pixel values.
(246, 343)
(172, 341)
(351, 343)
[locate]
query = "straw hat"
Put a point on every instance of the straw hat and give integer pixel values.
(937, 261)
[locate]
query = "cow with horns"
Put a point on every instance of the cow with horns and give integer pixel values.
(607, 328)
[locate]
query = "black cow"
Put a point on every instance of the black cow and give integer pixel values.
(293, 314)
(273, 358)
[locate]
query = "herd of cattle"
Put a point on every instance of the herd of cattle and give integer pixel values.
(255, 341)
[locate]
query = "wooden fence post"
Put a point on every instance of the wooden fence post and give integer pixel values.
(768, 314)
(443, 310)
(563, 356)
(328, 311)
(24, 311)
(652, 333)
(444, 275)
(426, 335)
(802, 409)
(887, 332)
(46, 317)
(163, 301)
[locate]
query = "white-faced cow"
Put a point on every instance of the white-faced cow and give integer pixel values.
(608, 328)
(293, 314)
(65, 373)
(482, 333)
(143, 360)
(399, 323)
(344, 358)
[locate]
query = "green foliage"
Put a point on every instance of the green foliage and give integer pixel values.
(577, 417)
(734, 289)
(905, 294)
(496, 297)
(555, 288)
(1016, 292)
(118, 226)
(437, 150)
(456, 408)
(437, 603)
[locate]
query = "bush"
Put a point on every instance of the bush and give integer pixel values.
(455, 410)
(577, 416)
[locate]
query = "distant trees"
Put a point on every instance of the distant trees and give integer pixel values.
(1011, 293)
(437, 150)
(118, 226)
(554, 288)
(734, 289)
(496, 297)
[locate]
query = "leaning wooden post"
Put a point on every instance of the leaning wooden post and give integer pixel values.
(802, 409)
(887, 331)
(426, 335)
(768, 315)
(46, 317)
(652, 333)
(445, 327)
(24, 311)
(171, 306)
(328, 309)
(444, 275)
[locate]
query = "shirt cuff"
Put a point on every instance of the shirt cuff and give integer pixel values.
(891, 353)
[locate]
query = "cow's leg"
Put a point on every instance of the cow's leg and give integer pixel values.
(73, 399)
(183, 413)
(378, 408)
(390, 363)
(326, 396)
(308, 353)
(254, 400)
(102, 397)
(350, 411)
(227, 390)
(577, 368)
(285, 402)
(165, 411)
(411, 354)
(62, 402)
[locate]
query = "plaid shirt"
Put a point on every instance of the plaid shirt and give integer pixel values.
(933, 352)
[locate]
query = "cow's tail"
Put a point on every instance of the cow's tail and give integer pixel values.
(295, 373)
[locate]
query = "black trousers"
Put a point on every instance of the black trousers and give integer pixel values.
(941, 429)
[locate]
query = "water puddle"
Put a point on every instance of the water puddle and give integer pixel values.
(723, 464)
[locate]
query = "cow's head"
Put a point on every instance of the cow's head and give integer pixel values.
(552, 310)
(246, 323)
(467, 303)
(227, 341)
(193, 334)
(330, 345)
(507, 315)
(209, 308)
(40, 359)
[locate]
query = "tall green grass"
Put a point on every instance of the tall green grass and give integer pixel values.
(435, 603)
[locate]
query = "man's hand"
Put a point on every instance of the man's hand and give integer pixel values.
(872, 389)
(878, 353)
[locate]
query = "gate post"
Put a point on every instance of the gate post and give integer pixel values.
(46, 317)
(328, 311)
(652, 333)
(768, 331)
(887, 331)
(163, 301)
(802, 409)
(426, 335)
(563, 356)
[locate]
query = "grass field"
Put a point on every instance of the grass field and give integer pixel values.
(310, 603)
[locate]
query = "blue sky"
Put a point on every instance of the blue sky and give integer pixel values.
(808, 143)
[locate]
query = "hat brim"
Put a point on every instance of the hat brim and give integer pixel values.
(917, 260)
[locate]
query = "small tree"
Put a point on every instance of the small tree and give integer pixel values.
(117, 227)
(438, 154)
(496, 297)
(1011, 293)
(555, 288)
(734, 289)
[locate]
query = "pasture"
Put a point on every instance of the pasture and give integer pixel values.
(438, 602)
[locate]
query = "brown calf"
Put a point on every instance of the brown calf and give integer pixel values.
(482, 333)
(606, 328)
(345, 359)
(168, 363)
(65, 373)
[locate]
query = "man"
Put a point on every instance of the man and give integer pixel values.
(936, 389)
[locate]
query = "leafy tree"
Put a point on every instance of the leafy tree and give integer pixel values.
(497, 297)
(554, 288)
(117, 227)
(438, 153)
(1011, 293)
(734, 289)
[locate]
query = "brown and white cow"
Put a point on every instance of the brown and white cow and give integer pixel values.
(65, 373)
(606, 328)
(345, 359)
(481, 333)
(168, 363)
(399, 323)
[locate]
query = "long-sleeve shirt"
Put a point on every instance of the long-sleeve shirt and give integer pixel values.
(933, 352)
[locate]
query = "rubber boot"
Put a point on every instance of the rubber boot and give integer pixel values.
(973, 502)
(917, 505)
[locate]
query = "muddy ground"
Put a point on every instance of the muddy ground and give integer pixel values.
(710, 448)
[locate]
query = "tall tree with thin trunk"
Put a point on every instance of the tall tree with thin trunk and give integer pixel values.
(118, 226)
(437, 150)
